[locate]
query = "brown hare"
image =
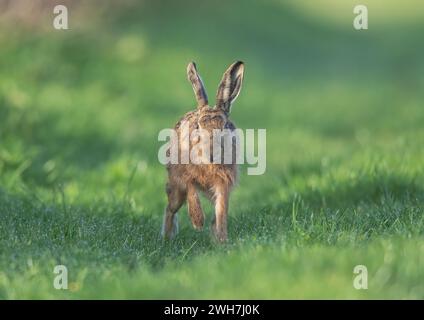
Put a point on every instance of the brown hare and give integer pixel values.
(215, 179)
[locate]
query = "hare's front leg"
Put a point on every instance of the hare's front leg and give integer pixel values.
(176, 198)
(221, 210)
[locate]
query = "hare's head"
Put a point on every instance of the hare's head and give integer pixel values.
(215, 117)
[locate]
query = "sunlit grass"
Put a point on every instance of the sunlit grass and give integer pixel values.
(80, 183)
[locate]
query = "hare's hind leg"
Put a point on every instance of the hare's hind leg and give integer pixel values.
(219, 225)
(176, 198)
(194, 208)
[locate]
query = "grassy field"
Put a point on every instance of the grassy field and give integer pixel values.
(81, 186)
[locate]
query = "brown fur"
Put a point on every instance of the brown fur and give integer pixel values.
(214, 180)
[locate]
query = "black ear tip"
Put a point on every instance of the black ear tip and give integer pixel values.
(238, 66)
(191, 65)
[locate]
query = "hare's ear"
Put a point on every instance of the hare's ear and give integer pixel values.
(198, 87)
(230, 86)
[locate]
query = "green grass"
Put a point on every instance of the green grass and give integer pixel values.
(80, 183)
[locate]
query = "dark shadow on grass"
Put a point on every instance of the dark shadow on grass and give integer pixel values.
(376, 203)
(85, 149)
(365, 189)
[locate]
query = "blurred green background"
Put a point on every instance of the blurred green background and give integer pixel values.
(80, 183)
